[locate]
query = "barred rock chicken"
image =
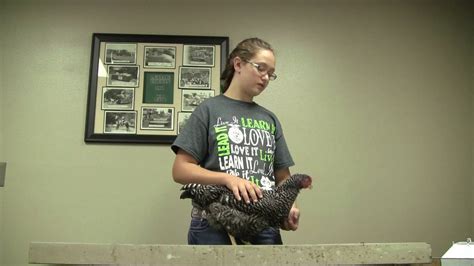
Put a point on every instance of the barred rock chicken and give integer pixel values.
(244, 220)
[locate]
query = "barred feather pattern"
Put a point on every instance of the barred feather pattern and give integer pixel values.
(241, 219)
(202, 195)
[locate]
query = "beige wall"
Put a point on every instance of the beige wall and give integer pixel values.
(2, 157)
(375, 98)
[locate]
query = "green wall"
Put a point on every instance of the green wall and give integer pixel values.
(375, 98)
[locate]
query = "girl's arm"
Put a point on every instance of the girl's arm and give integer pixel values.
(186, 170)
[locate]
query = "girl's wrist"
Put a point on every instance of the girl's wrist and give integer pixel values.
(225, 178)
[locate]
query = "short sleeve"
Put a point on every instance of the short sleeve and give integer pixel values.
(283, 157)
(193, 139)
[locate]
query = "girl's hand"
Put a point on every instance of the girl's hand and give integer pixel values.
(243, 189)
(291, 223)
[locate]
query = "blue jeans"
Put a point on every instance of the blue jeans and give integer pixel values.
(201, 233)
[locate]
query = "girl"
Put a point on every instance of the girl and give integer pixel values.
(231, 140)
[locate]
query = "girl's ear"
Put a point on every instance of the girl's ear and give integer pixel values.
(237, 64)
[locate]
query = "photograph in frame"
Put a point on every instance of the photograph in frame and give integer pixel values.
(190, 99)
(182, 119)
(122, 76)
(118, 65)
(121, 53)
(158, 87)
(194, 78)
(160, 57)
(198, 55)
(157, 118)
(117, 98)
(120, 122)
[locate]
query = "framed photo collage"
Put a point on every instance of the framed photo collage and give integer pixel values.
(143, 88)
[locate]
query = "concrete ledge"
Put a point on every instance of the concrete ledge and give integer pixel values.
(360, 253)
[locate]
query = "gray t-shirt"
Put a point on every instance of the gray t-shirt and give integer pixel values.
(240, 138)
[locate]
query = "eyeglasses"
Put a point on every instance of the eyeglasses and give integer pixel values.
(263, 69)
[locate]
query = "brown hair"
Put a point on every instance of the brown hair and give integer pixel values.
(246, 49)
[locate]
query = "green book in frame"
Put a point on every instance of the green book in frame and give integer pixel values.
(158, 87)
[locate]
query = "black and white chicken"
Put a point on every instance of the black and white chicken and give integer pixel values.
(244, 220)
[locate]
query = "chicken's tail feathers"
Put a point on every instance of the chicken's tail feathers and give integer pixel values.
(186, 195)
(189, 191)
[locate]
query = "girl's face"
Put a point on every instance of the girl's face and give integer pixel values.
(256, 72)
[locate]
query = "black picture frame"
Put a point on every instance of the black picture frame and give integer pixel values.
(102, 43)
(159, 57)
(121, 53)
(199, 78)
(190, 99)
(115, 98)
(198, 55)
